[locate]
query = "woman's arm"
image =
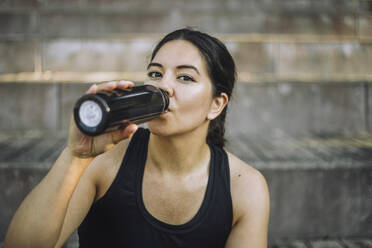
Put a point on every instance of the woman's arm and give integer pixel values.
(38, 220)
(93, 185)
(251, 204)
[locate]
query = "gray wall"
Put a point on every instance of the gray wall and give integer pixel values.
(304, 67)
(297, 40)
(305, 203)
(295, 109)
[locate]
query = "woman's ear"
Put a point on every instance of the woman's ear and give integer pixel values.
(218, 104)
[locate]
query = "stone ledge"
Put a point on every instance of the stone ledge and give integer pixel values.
(38, 150)
(225, 37)
(140, 76)
(330, 243)
(256, 108)
(322, 180)
(334, 243)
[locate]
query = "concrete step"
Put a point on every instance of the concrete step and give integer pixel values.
(320, 186)
(342, 243)
(295, 243)
(259, 58)
(273, 109)
(318, 40)
(97, 17)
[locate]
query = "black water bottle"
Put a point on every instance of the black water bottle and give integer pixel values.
(95, 114)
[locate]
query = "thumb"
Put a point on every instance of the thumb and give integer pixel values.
(125, 133)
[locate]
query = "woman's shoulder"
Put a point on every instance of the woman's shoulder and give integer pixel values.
(243, 173)
(105, 166)
(249, 190)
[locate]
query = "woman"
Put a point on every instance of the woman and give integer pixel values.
(172, 185)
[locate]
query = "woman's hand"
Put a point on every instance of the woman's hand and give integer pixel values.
(85, 146)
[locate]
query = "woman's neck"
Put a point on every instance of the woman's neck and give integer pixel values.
(179, 154)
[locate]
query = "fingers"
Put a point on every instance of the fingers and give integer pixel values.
(122, 84)
(125, 133)
(109, 86)
(92, 89)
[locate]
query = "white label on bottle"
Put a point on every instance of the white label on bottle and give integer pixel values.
(90, 113)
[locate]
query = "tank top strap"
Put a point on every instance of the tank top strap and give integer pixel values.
(134, 156)
(222, 169)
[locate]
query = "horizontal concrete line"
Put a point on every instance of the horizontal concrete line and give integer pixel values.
(247, 77)
(124, 9)
(293, 38)
(140, 76)
(330, 242)
(260, 165)
(226, 37)
(27, 165)
(76, 9)
(336, 164)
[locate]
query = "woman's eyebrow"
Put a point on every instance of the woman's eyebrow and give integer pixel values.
(188, 67)
(178, 67)
(154, 64)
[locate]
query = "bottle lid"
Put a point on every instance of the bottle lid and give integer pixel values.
(90, 113)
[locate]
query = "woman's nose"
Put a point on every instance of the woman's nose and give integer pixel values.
(165, 85)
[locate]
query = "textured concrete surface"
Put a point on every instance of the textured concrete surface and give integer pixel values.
(17, 56)
(319, 186)
(96, 55)
(365, 24)
(312, 141)
(326, 40)
(324, 59)
(29, 106)
(318, 203)
(69, 95)
(76, 18)
(369, 107)
(272, 108)
(297, 108)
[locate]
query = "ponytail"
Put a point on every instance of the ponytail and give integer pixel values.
(216, 130)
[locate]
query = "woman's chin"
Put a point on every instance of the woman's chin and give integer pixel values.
(158, 127)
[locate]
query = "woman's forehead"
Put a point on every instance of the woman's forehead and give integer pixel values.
(179, 52)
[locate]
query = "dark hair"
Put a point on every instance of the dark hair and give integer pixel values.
(221, 70)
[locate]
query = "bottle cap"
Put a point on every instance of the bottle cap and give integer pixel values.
(90, 113)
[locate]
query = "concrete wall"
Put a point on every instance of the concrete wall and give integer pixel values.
(317, 203)
(97, 17)
(271, 109)
(298, 40)
(298, 108)
(305, 68)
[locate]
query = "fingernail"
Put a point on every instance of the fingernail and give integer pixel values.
(126, 83)
(92, 87)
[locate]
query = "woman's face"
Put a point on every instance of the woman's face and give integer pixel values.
(180, 69)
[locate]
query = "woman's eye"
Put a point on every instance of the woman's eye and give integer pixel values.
(154, 74)
(186, 78)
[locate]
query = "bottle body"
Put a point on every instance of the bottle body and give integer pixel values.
(95, 114)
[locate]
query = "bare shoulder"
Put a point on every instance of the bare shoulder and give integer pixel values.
(244, 176)
(105, 166)
(249, 188)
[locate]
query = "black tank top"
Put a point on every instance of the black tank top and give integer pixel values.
(120, 219)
